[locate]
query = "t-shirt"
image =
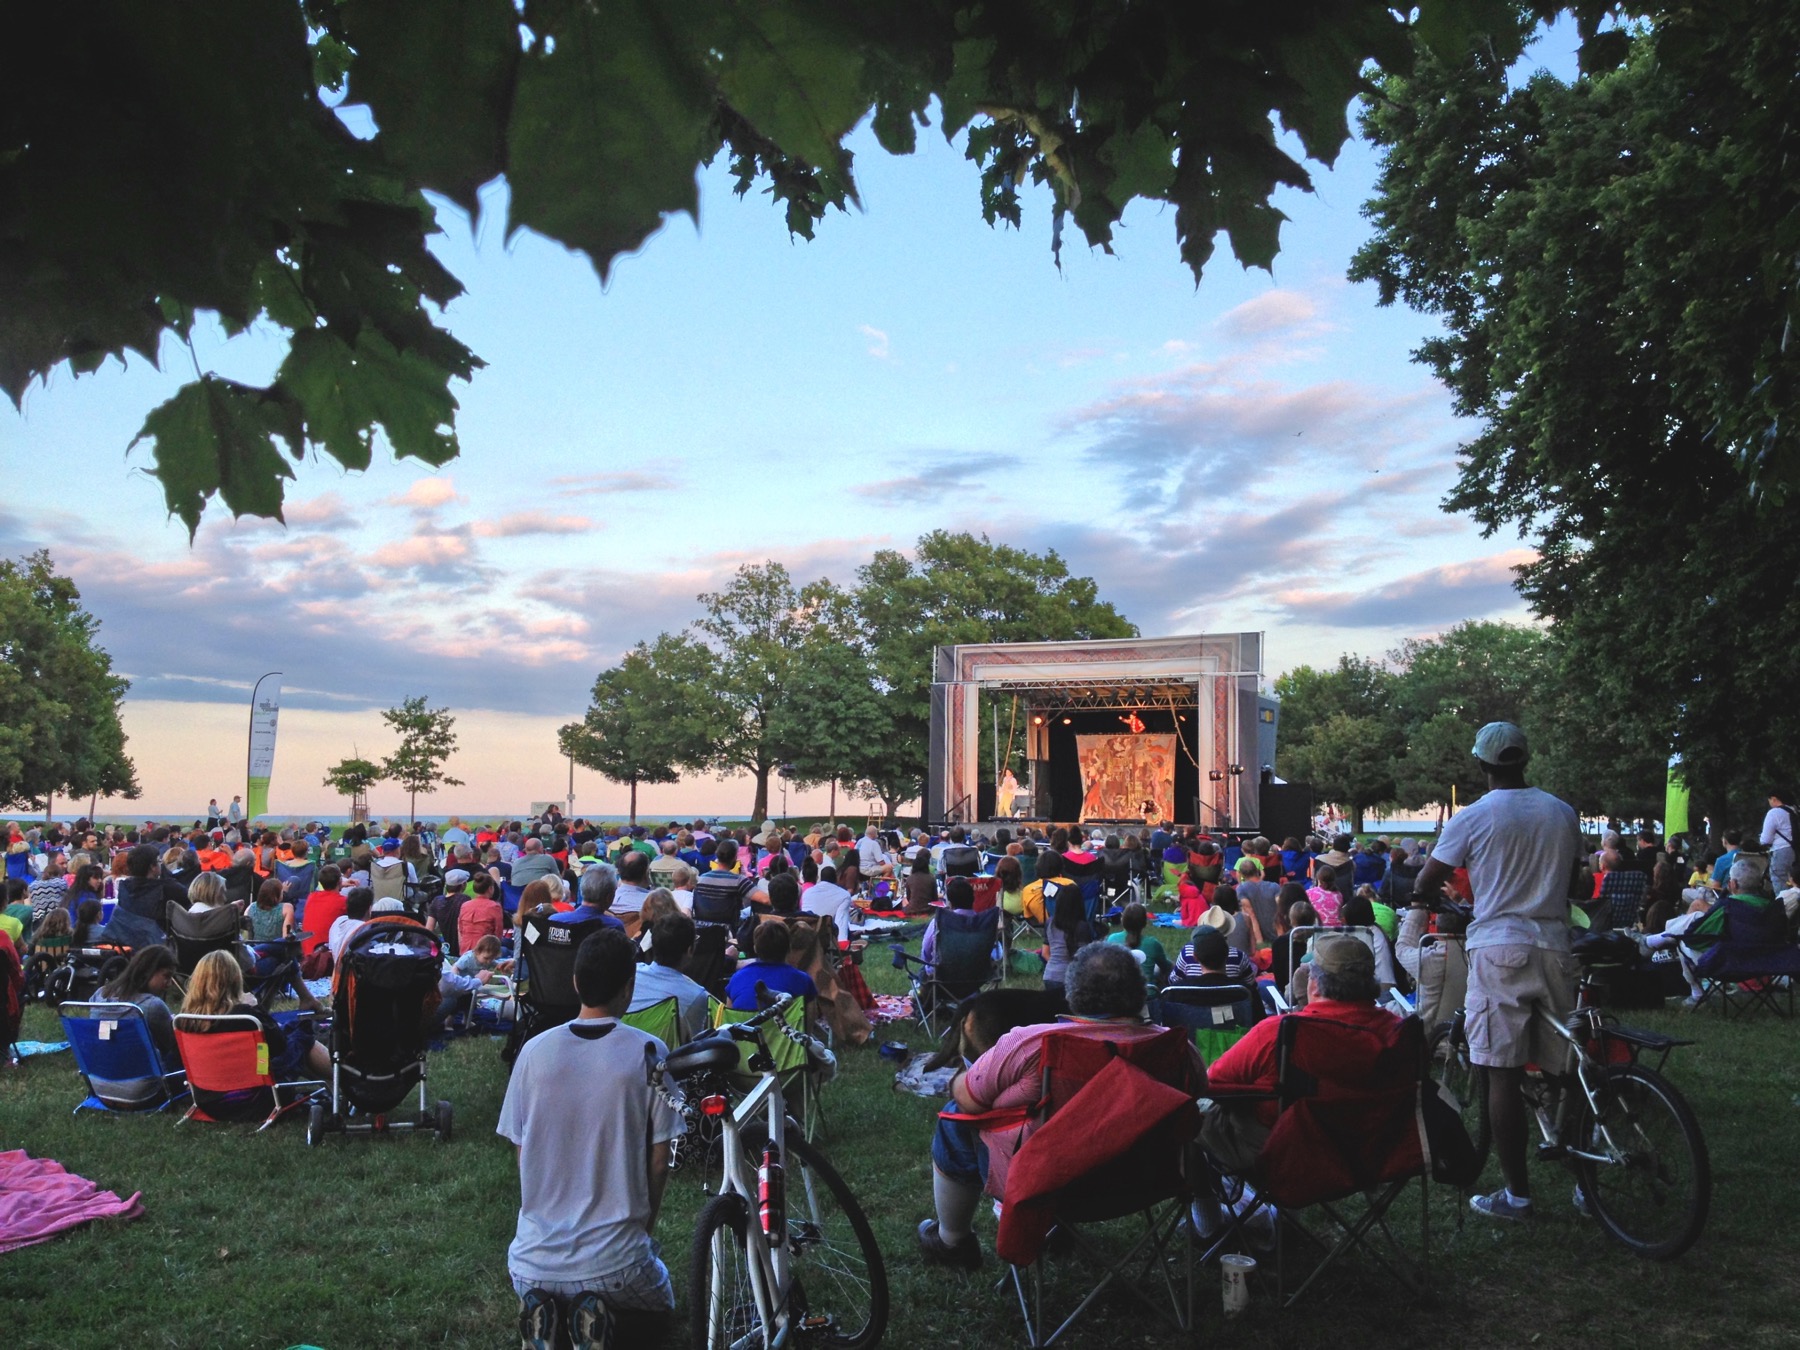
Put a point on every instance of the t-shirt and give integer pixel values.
(656, 982)
(870, 852)
(1778, 828)
(740, 991)
(827, 897)
(341, 930)
(720, 897)
(581, 1107)
(629, 898)
(1260, 896)
(323, 909)
(1519, 846)
(479, 916)
(1149, 953)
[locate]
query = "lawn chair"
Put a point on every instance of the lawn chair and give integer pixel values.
(800, 1082)
(1621, 899)
(510, 895)
(966, 963)
(1350, 1123)
(117, 1059)
(661, 1019)
(707, 965)
(1113, 1121)
(296, 885)
(227, 1061)
(1753, 952)
(545, 980)
(198, 933)
(1215, 1015)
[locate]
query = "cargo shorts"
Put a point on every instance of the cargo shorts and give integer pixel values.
(1508, 985)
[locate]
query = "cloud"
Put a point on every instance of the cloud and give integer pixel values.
(878, 345)
(615, 481)
(422, 550)
(327, 511)
(1271, 312)
(427, 494)
(941, 476)
(1436, 597)
(532, 522)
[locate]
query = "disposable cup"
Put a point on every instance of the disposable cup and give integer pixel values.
(1234, 1275)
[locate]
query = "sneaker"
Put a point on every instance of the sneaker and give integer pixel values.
(965, 1255)
(1691, 1002)
(1499, 1205)
(591, 1324)
(1582, 1207)
(540, 1320)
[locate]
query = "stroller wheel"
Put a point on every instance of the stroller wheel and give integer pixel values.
(443, 1122)
(315, 1124)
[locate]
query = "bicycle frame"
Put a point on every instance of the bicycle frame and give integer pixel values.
(770, 1262)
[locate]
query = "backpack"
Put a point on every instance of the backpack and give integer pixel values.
(1454, 1161)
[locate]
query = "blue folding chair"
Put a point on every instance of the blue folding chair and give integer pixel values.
(117, 1058)
(509, 898)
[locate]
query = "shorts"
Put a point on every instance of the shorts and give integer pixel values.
(1508, 985)
(958, 1150)
(643, 1287)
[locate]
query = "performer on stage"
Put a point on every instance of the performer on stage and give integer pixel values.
(1006, 796)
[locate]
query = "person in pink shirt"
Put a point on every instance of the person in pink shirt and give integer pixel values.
(480, 916)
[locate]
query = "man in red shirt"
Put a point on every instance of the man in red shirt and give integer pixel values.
(323, 908)
(1344, 990)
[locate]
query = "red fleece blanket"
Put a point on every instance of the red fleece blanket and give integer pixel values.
(38, 1200)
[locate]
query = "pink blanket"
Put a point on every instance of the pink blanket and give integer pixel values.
(38, 1200)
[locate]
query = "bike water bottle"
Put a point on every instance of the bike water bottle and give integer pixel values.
(771, 1194)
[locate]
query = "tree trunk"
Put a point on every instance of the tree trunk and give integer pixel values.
(633, 801)
(759, 812)
(412, 808)
(834, 806)
(1356, 818)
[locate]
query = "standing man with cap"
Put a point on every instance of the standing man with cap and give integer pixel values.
(1520, 846)
(1778, 832)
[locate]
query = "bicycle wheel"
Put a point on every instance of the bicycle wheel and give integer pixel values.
(1654, 1193)
(841, 1293)
(1466, 1083)
(725, 1315)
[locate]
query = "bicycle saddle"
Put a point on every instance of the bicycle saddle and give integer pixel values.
(713, 1053)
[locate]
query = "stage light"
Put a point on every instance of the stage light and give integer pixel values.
(1067, 721)
(1235, 770)
(1214, 776)
(1038, 720)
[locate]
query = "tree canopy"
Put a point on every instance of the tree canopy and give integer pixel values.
(1614, 261)
(427, 740)
(158, 163)
(59, 698)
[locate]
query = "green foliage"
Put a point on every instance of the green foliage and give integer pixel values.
(59, 698)
(427, 740)
(1355, 688)
(353, 776)
(834, 723)
(649, 716)
(160, 162)
(1613, 260)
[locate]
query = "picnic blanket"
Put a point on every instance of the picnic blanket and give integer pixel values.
(26, 1049)
(890, 1008)
(38, 1200)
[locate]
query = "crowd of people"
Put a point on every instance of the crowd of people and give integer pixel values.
(1481, 919)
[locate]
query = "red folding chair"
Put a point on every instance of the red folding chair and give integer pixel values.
(1111, 1126)
(227, 1060)
(1350, 1123)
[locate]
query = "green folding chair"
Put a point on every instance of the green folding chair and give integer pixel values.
(661, 1019)
(799, 1084)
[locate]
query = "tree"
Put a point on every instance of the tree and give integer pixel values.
(161, 162)
(960, 588)
(352, 778)
(835, 725)
(1612, 260)
(1355, 688)
(59, 698)
(1348, 761)
(426, 741)
(755, 627)
(648, 716)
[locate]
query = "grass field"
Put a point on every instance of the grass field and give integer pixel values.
(256, 1240)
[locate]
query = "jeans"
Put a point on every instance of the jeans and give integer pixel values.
(958, 1151)
(1781, 867)
(644, 1287)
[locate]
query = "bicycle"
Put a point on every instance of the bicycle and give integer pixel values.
(783, 1254)
(1626, 1132)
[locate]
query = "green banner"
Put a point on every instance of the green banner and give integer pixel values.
(1675, 805)
(256, 800)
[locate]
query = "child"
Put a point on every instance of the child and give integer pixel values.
(458, 986)
(50, 944)
(87, 922)
(1149, 952)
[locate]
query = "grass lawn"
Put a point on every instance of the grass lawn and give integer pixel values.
(252, 1240)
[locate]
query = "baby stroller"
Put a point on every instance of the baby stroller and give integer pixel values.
(82, 975)
(387, 986)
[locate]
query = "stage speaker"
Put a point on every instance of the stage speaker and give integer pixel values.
(984, 802)
(1287, 811)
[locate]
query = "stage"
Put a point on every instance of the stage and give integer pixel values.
(1090, 733)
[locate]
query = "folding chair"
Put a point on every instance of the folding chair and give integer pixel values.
(1216, 1016)
(116, 1057)
(707, 965)
(790, 1057)
(1622, 897)
(197, 933)
(1752, 952)
(227, 1062)
(510, 895)
(965, 963)
(1350, 1121)
(1113, 1121)
(661, 1019)
(545, 976)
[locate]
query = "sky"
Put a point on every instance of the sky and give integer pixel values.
(1255, 453)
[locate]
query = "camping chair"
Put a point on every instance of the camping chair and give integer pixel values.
(1215, 1015)
(966, 946)
(198, 933)
(1622, 899)
(116, 1057)
(1350, 1122)
(661, 1019)
(800, 1082)
(545, 981)
(227, 1062)
(296, 885)
(1754, 953)
(510, 895)
(1113, 1121)
(707, 965)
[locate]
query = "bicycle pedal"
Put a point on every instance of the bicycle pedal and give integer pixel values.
(1552, 1152)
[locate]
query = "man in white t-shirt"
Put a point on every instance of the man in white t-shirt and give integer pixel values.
(358, 905)
(1778, 837)
(872, 856)
(1520, 846)
(593, 1138)
(827, 897)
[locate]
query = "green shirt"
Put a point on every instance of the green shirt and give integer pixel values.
(1157, 965)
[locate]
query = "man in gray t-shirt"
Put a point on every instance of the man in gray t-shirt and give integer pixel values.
(593, 1136)
(1520, 847)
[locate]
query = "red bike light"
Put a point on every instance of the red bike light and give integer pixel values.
(713, 1106)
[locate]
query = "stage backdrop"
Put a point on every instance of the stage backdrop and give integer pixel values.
(1121, 775)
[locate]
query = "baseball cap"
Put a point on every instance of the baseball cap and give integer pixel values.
(1344, 956)
(456, 876)
(1501, 743)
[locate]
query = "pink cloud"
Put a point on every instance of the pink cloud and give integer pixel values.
(422, 550)
(322, 512)
(427, 494)
(1269, 313)
(532, 522)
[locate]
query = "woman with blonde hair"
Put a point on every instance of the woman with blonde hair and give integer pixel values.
(216, 989)
(656, 904)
